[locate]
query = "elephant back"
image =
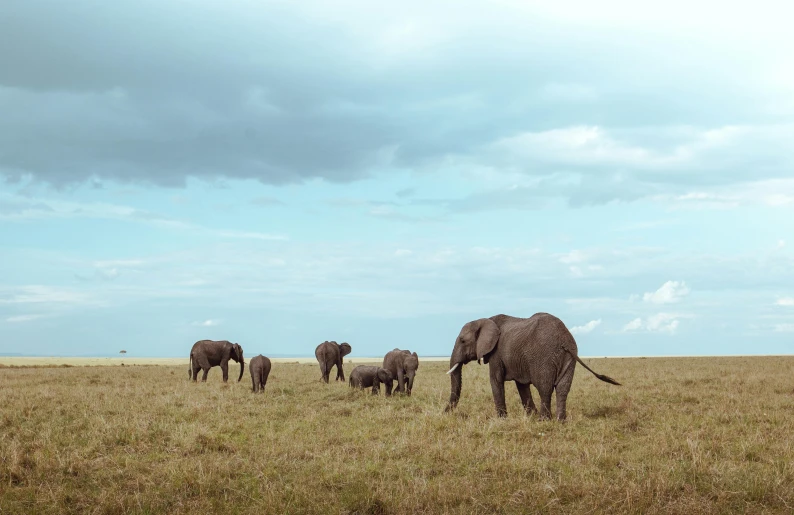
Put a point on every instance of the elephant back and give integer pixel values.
(394, 359)
(542, 334)
(328, 350)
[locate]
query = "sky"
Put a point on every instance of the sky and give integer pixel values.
(279, 174)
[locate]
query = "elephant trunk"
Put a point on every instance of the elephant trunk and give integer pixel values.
(410, 382)
(456, 380)
(242, 368)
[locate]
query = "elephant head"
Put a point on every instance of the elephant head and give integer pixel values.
(476, 341)
(344, 349)
(237, 355)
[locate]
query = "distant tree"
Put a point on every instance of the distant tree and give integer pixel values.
(122, 352)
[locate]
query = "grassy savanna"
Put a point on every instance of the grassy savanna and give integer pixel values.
(682, 435)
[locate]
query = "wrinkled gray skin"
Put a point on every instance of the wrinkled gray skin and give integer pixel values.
(538, 350)
(259, 366)
(206, 354)
(330, 354)
(402, 364)
(364, 376)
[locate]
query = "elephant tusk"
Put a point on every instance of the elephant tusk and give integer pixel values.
(453, 368)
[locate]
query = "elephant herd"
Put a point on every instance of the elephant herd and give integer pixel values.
(538, 350)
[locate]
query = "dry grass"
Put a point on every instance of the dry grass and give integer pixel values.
(683, 435)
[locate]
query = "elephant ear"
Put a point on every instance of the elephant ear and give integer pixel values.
(487, 337)
(384, 375)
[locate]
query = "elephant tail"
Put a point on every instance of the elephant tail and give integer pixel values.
(190, 366)
(604, 378)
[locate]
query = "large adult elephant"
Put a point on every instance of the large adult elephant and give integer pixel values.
(403, 365)
(330, 354)
(538, 350)
(206, 354)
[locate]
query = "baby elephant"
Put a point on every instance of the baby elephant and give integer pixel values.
(260, 369)
(364, 376)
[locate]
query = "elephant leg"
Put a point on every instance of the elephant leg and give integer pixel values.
(400, 380)
(195, 372)
(562, 388)
(340, 372)
(562, 397)
(545, 391)
(498, 389)
(225, 369)
(526, 398)
(204, 376)
(253, 383)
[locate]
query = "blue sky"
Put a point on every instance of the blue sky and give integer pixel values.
(282, 173)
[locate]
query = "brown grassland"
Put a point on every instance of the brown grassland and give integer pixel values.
(682, 435)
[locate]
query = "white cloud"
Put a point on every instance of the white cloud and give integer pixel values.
(662, 322)
(586, 328)
(409, 38)
(37, 294)
(707, 200)
(785, 301)
(634, 325)
(784, 328)
(573, 145)
(208, 323)
(113, 263)
(19, 208)
(23, 318)
(574, 256)
(658, 323)
(777, 193)
(247, 235)
(108, 273)
(669, 293)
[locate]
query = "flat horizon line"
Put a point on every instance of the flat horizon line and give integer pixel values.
(281, 357)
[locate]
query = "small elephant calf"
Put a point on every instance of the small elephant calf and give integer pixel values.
(364, 376)
(260, 369)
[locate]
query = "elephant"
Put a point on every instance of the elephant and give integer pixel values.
(206, 354)
(330, 354)
(538, 350)
(259, 366)
(364, 376)
(402, 364)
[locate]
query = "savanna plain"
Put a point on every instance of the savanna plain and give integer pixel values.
(682, 435)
